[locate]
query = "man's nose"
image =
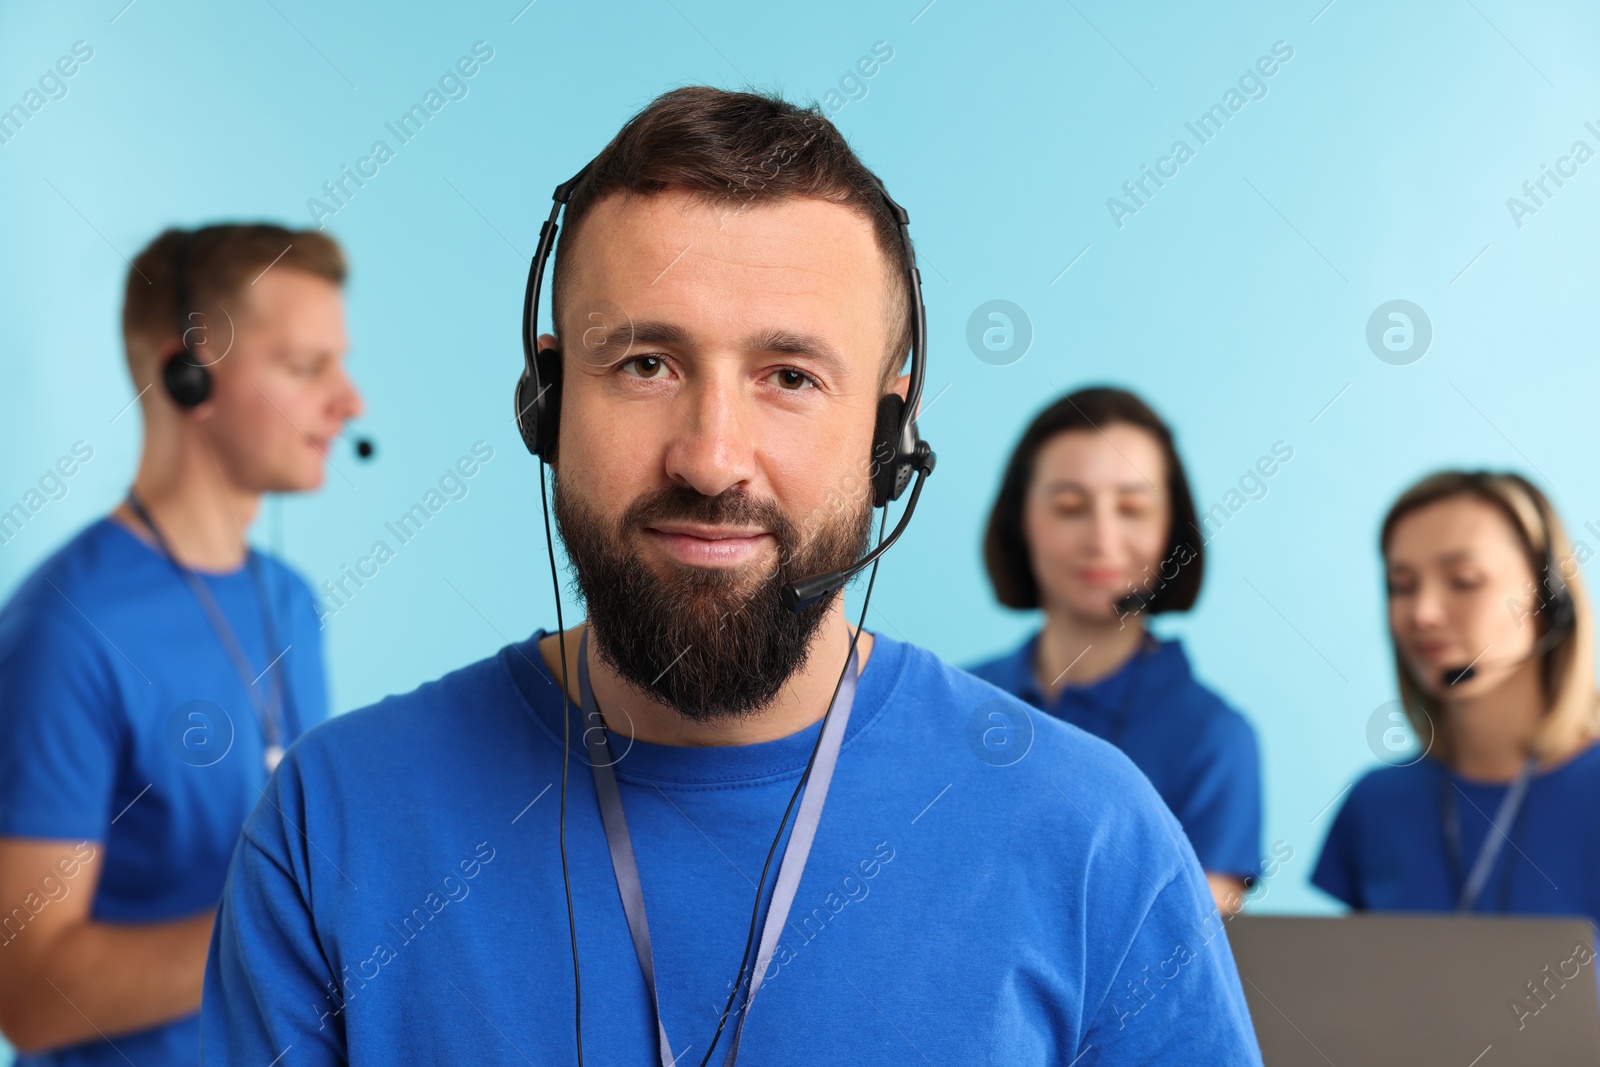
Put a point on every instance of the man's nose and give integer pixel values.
(711, 449)
(347, 401)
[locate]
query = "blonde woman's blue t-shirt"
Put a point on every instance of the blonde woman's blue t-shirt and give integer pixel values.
(1387, 851)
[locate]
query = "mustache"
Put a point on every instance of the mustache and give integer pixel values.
(732, 507)
(713, 644)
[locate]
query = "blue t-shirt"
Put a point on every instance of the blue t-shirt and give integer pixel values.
(398, 897)
(1386, 849)
(106, 660)
(1200, 754)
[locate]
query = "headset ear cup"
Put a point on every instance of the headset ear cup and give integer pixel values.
(1553, 590)
(888, 474)
(539, 409)
(527, 413)
(186, 381)
(1563, 610)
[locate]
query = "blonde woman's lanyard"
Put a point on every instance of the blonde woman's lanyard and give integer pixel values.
(789, 871)
(1510, 804)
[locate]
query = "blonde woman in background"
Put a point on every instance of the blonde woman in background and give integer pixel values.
(1494, 648)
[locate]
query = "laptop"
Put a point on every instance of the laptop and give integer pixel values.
(1369, 990)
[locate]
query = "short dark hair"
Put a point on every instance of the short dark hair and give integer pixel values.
(740, 148)
(1005, 549)
(222, 260)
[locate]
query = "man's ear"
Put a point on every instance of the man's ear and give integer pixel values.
(901, 385)
(546, 341)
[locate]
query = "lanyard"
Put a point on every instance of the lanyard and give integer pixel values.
(1493, 841)
(789, 871)
(269, 708)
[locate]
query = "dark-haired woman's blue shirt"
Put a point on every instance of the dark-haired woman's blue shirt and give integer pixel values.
(1386, 849)
(1200, 754)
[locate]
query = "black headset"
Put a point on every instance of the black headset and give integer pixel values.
(1563, 608)
(1556, 597)
(185, 377)
(898, 451)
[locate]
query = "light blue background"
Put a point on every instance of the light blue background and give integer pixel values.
(1377, 167)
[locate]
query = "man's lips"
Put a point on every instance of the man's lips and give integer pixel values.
(323, 442)
(703, 545)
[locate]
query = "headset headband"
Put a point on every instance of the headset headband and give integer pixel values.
(907, 437)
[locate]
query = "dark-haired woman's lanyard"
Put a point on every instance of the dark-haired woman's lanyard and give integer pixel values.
(269, 708)
(1496, 838)
(789, 871)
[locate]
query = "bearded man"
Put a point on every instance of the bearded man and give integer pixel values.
(424, 881)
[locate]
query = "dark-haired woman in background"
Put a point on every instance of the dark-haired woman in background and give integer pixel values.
(1095, 525)
(1480, 574)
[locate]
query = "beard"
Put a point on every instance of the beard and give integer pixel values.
(715, 644)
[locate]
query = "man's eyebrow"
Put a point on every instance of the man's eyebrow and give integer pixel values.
(316, 350)
(798, 344)
(602, 343)
(602, 340)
